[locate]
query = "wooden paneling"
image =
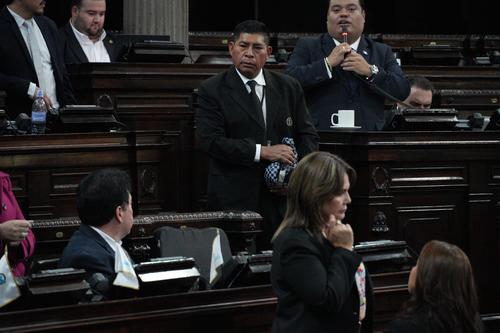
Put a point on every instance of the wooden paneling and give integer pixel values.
(46, 169)
(419, 186)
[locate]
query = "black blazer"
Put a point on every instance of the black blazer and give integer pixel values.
(73, 52)
(315, 285)
(345, 91)
(88, 250)
(228, 130)
(17, 69)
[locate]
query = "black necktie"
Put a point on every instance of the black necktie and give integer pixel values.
(256, 102)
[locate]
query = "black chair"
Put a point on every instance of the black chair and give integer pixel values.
(198, 244)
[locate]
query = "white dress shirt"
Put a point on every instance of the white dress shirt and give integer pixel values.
(125, 273)
(95, 51)
(259, 90)
(40, 55)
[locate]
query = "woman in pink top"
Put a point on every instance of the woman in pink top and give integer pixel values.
(15, 231)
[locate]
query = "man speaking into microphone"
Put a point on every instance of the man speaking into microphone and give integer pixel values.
(344, 70)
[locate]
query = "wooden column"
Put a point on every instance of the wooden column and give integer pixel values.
(157, 17)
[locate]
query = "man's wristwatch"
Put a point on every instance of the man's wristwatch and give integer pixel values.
(373, 72)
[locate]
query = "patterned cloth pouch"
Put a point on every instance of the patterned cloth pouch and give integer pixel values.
(277, 174)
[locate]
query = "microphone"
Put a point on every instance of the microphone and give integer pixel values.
(99, 284)
(23, 122)
(344, 33)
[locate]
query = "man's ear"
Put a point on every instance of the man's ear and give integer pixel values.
(74, 11)
(119, 214)
(269, 51)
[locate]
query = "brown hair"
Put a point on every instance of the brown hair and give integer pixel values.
(317, 177)
(445, 289)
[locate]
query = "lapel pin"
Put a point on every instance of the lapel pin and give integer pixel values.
(365, 53)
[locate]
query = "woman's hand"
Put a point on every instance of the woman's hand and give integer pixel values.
(15, 230)
(339, 234)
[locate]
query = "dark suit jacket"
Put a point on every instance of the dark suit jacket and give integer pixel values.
(17, 69)
(228, 130)
(345, 91)
(315, 285)
(73, 52)
(88, 250)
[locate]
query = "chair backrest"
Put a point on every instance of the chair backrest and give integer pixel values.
(200, 244)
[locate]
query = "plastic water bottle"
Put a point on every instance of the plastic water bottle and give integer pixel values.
(38, 114)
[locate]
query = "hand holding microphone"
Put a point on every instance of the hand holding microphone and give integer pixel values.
(344, 34)
(340, 51)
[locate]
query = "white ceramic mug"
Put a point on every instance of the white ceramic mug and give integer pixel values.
(345, 118)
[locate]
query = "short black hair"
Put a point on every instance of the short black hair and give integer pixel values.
(251, 27)
(361, 3)
(100, 193)
(77, 3)
(420, 82)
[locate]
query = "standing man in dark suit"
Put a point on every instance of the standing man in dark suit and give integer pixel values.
(242, 133)
(343, 69)
(85, 39)
(31, 58)
(104, 206)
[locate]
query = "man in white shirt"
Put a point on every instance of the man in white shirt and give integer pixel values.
(85, 39)
(104, 205)
(31, 58)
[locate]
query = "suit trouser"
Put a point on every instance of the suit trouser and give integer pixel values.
(272, 208)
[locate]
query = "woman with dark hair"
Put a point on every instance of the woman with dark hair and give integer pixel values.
(321, 284)
(443, 294)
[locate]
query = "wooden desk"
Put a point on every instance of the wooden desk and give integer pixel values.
(46, 169)
(160, 85)
(419, 186)
(468, 101)
(249, 309)
(455, 77)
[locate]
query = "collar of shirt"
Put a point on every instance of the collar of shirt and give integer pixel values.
(84, 39)
(19, 20)
(111, 242)
(259, 79)
(353, 46)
